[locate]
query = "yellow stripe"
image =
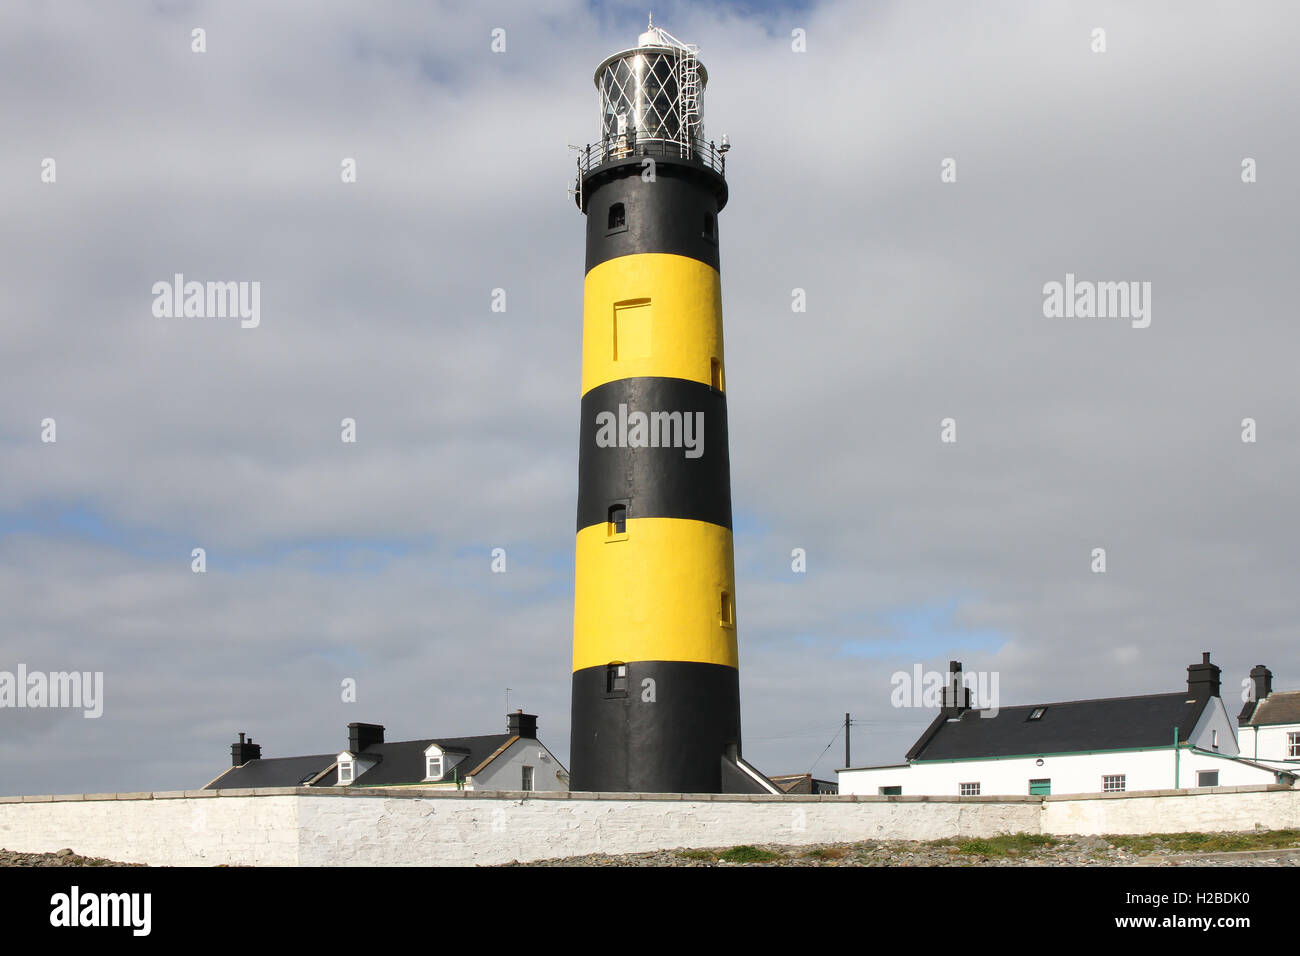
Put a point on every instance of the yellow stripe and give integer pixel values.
(677, 333)
(654, 595)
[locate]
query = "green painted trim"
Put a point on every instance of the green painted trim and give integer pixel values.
(1063, 753)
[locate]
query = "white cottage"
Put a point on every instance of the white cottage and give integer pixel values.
(1153, 742)
(515, 760)
(1270, 723)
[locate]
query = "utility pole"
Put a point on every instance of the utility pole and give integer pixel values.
(847, 763)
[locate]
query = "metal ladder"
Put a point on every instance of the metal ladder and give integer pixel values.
(688, 87)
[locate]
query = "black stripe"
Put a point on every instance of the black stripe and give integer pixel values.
(673, 744)
(655, 482)
(667, 215)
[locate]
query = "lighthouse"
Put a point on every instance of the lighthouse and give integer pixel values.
(656, 691)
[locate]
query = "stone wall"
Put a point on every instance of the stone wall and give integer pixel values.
(409, 826)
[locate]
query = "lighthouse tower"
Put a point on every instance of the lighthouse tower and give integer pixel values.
(656, 695)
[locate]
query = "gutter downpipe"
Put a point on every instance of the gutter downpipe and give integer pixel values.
(1175, 758)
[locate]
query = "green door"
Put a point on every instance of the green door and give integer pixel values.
(1041, 787)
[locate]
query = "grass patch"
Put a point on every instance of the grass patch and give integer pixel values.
(828, 853)
(709, 855)
(1006, 844)
(747, 854)
(1207, 842)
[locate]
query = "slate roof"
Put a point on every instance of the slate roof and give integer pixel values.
(1280, 707)
(402, 761)
(274, 772)
(1116, 723)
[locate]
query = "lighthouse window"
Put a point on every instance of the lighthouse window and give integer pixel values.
(727, 615)
(617, 217)
(616, 680)
(617, 520)
(633, 330)
(710, 227)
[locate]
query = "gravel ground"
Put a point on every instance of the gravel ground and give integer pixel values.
(1068, 851)
(63, 857)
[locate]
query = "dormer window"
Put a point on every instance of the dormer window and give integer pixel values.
(440, 764)
(346, 770)
(1037, 713)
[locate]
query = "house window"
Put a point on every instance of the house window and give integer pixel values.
(891, 791)
(970, 790)
(1214, 739)
(1292, 744)
(616, 680)
(528, 779)
(617, 523)
(1037, 713)
(1113, 783)
(433, 767)
(1040, 787)
(1207, 778)
(345, 772)
(617, 216)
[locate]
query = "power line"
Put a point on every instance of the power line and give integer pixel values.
(801, 733)
(828, 747)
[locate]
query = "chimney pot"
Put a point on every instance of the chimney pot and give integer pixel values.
(956, 696)
(244, 751)
(1261, 679)
(1203, 679)
(361, 736)
(523, 725)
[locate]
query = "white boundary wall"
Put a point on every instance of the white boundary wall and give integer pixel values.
(408, 826)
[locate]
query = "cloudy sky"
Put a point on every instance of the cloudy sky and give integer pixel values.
(371, 560)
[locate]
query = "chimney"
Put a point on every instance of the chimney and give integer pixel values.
(361, 736)
(244, 751)
(956, 696)
(1203, 679)
(1261, 680)
(522, 725)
